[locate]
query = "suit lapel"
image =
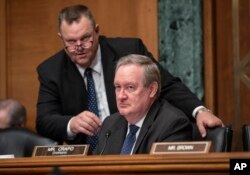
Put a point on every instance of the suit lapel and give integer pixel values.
(118, 134)
(152, 114)
(74, 84)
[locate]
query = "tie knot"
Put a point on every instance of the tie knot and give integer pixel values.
(88, 72)
(133, 129)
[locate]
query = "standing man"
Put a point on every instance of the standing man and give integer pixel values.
(142, 118)
(66, 112)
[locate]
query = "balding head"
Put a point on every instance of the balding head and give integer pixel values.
(12, 114)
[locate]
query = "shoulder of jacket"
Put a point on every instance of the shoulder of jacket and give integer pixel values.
(53, 61)
(114, 40)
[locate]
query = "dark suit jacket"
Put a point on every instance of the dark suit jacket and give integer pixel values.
(62, 92)
(163, 122)
(21, 141)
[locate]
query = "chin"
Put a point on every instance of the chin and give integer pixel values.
(122, 112)
(83, 62)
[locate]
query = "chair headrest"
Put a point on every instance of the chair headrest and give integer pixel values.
(21, 141)
(221, 137)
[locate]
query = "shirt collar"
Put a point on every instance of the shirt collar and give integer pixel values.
(96, 64)
(140, 122)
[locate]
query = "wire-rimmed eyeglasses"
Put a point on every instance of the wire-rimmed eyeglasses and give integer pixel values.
(86, 43)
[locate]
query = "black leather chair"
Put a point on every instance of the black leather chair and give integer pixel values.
(221, 137)
(246, 137)
(20, 142)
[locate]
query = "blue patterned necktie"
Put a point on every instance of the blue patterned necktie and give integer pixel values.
(92, 105)
(130, 140)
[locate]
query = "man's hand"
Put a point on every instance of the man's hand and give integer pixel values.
(86, 122)
(207, 119)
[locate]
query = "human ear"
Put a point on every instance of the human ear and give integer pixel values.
(97, 28)
(153, 89)
(59, 34)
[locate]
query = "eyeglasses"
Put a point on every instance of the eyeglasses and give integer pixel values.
(85, 43)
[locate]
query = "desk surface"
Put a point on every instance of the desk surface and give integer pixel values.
(207, 163)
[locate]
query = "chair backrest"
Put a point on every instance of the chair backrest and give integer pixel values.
(246, 137)
(20, 142)
(221, 137)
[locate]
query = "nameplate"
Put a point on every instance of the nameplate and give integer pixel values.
(180, 147)
(61, 150)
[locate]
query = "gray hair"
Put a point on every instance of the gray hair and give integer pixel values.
(74, 13)
(15, 110)
(151, 70)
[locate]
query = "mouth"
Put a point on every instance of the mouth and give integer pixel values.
(81, 54)
(122, 105)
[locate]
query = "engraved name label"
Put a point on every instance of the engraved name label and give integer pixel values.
(62, 150)
(180, 147)
(185, 147)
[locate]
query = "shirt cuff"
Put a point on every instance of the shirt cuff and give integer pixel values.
(70, 134)
(196, 110)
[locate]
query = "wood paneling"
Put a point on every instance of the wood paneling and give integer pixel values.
(172, 164)
(32, 37)
(209, 66)
(232, 64)
(3, 82)
(227, 62)
(241, 45)
(243, 60)
(224, 60)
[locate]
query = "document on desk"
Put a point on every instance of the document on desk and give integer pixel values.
(7, 156)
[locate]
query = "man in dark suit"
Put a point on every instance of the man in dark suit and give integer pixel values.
(137, 87)
(63, 112)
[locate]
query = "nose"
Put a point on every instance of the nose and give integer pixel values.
(79, 46)
(78, 43)
(121, 95)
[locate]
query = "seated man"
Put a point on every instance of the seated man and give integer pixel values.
(142, 118)
(12, 114)
(15, 139)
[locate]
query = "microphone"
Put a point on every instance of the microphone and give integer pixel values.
(107, 135)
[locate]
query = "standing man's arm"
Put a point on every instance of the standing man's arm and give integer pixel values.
(60, 115)
(180, 96)
(50, 122)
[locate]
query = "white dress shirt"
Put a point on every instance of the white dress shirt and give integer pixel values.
(98, 76)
